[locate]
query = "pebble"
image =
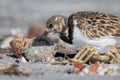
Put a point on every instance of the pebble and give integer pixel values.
(23, 60)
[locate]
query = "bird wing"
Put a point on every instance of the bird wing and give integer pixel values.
(99, 25)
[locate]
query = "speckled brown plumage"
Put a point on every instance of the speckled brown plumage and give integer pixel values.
(61, 26)
(96, 25)
(86, 27)
(60, 22)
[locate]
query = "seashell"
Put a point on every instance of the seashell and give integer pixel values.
(37, 29)
(42, 53)
(5, 42)
(18, 45)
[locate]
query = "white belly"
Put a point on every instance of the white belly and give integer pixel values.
(79, 40)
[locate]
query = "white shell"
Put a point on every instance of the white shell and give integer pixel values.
(5, 43)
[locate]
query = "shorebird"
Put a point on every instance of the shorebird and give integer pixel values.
(87, 27)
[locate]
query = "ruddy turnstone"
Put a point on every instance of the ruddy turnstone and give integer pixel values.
(87, 27)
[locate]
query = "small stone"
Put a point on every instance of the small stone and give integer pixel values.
(102, 71)
(94, 67)
(17, 61)
(70, 71)
(23, 60)
(85, 70)
(78, 65)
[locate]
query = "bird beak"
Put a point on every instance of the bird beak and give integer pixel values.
(47, 32)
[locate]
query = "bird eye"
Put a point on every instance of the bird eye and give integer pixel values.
(51, 26)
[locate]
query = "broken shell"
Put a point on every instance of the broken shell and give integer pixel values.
(18, 45)
(5, 42)
(42, 53)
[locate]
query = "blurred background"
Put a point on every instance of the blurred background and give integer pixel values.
(23, 13)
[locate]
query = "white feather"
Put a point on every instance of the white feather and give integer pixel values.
(78, 38)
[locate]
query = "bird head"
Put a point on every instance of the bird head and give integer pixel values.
(56, 24)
